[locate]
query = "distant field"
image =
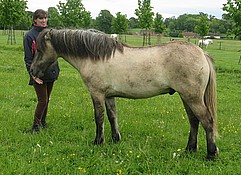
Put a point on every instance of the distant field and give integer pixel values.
(154, 131)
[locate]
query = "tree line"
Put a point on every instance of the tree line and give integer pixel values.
(72, 14)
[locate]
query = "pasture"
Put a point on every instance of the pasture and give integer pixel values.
(154, 131)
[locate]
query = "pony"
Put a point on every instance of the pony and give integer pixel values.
(205, 43)
(114, 36)
(111, 69)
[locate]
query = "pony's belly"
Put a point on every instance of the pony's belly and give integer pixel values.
(137, 93)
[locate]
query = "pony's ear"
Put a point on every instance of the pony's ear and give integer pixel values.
(48, 35)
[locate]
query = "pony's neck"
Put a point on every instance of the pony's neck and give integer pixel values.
(73, 61)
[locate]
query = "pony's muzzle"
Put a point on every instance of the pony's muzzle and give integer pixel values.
(36, 73)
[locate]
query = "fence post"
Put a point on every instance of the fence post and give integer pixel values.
(158, 39)
(220, 45)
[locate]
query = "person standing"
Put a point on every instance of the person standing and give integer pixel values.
(43, 85)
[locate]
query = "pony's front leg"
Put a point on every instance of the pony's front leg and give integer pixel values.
(98, 102)
(111, 113)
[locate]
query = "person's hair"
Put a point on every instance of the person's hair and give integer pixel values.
(40, 13)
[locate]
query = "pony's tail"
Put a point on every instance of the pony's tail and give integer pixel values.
(210, 96)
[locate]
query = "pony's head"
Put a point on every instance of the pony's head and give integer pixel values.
(79, 44)
(45, 54)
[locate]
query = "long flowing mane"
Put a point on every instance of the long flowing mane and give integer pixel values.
(80, 43)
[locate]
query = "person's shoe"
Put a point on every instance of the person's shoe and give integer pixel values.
(35, 129)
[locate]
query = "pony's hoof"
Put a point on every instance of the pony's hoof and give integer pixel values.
(191, 149)
(44, 125)
(213, 156)
(35, 129)
(99, 141)
(116, 137)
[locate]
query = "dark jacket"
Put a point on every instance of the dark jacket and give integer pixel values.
(29, 43)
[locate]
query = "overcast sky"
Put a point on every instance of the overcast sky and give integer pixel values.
(167, 8)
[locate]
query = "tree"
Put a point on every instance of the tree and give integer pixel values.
(233, 7)
(220, 25)
(103, 21)
(73, 14)
(202, 28)
(26, 22)
(119, 24)
(12, 12)
(54, 17)
(159, 23)
(171, 26)
(133, 23)
(145, 17)
(187, 22)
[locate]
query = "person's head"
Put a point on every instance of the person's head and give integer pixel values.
(40, 18)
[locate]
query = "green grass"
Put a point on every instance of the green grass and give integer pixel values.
(154, 131)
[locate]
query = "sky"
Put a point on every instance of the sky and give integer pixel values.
(167, 8)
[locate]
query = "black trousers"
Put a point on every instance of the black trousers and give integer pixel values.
(43, 92)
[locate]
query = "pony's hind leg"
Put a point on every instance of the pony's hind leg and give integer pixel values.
(203, 115)
(194, 123)
(98, 102)
(111, 113)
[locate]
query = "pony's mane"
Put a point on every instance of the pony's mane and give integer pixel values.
(80, 43)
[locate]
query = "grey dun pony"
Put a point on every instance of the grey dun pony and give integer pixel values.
(112, 69)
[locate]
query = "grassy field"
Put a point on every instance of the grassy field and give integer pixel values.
(154, 131)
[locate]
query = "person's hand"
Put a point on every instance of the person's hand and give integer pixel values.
(38, 80)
